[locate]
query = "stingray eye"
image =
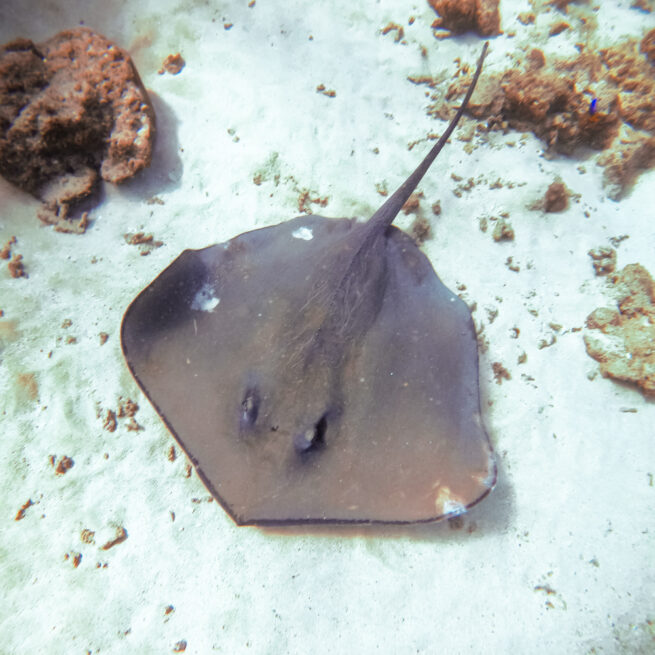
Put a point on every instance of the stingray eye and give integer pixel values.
(249, 408)
(311, 438)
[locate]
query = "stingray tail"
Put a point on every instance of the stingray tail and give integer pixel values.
(389, 210)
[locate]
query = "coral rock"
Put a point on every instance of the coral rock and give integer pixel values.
(71, 108)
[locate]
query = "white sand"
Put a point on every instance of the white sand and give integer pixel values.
(559, 559)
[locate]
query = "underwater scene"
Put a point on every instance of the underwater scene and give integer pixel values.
(327, 327)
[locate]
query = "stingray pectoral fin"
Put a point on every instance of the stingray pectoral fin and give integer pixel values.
(196, 340)
(163, 304)
(413, 424)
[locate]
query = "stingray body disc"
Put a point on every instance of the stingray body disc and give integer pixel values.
(407, 444)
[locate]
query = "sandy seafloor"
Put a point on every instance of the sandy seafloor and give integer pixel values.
(560, 558)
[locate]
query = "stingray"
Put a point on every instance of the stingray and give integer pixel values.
(318, 371)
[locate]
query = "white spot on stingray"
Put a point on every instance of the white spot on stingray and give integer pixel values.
(453, 508)
(303, 233)
(447, 502)
(205, 300)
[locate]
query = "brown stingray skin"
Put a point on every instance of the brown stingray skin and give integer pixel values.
(317, 371)
(404, 440)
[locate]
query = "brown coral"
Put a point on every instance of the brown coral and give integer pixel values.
(71, 108)
(63, 465)
(173, 64)
(635, 78)
(624, 163)
(547, 104)
(647, 46)
(622, 339)
(458, 16)
(603, 260)
(553, 100)
(556, 198)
